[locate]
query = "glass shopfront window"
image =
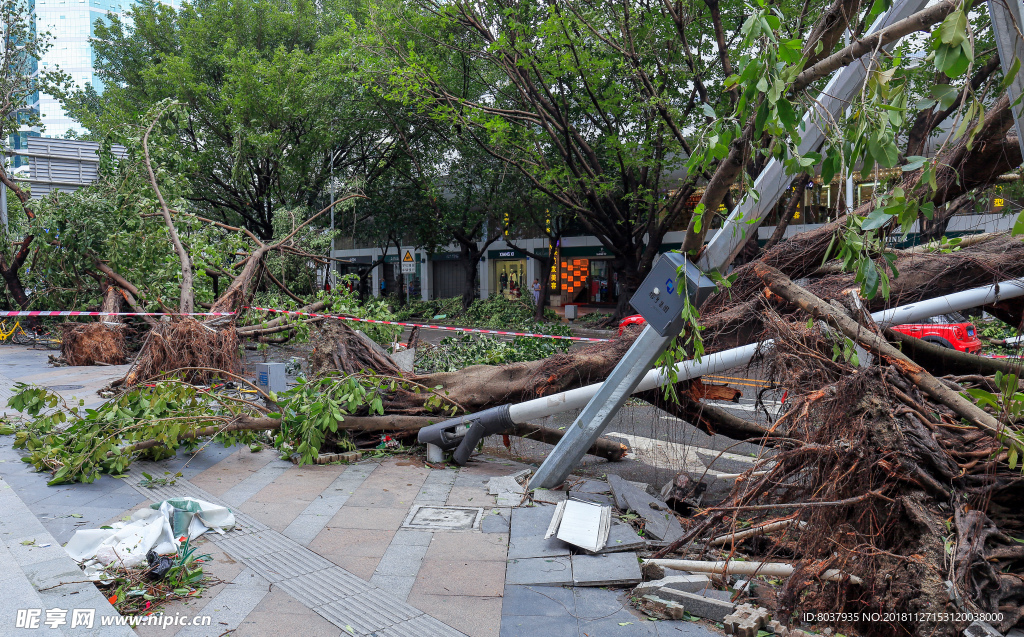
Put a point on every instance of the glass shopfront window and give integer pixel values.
(509, 277)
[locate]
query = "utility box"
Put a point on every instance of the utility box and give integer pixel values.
(270, 377)
(662, 295)
(570, 312)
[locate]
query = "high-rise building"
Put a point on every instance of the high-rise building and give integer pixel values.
(71, 23)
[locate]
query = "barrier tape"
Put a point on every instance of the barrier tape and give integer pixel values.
(430, 327)
(72, 313)
(310, 314)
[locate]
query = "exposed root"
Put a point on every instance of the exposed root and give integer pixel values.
(186, 343)
(91, 343)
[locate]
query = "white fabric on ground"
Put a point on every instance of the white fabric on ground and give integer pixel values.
(156, 528)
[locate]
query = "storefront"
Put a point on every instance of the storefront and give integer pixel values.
(356, 265)
(394, 281)
(507, 272)
(448, 276)
(585, 276)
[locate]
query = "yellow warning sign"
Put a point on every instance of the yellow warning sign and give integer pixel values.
(999, 202)
(408, 257)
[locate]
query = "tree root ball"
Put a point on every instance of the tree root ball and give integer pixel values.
(91, 343)
(188, 345)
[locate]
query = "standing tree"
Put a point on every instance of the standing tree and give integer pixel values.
(270, 110)
(20, 79)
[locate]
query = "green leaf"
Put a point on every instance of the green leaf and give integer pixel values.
(786, 113)
(876, 219)
(870, 277)
(953, 29)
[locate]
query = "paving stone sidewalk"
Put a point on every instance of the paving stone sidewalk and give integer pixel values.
(319, 550)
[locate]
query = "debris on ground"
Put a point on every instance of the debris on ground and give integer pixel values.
(152, 558)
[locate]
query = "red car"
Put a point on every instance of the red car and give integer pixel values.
(635, 319)
(948, 330)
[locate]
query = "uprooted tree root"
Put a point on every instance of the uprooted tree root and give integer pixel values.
(900, 491)
(91, 343)
(186, 344)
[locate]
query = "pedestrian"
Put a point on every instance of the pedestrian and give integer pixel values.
(536, 292)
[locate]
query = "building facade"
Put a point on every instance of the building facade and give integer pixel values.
(582, 274)
(71, 23)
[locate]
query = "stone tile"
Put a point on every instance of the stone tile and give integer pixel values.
(299, 483)
(402, 560)
(460, 577)
(527, 521)
(383, 489)
(256, 482)
(539, 571)
(281, 614)
(527, 626)
(232, 470)
(610, 569)
(474, 616)
(398, 586)
(545, 601)
(361, 567)
(537, 546)
(276, 515)
(352, 542)
(495, 521)
(412, 536)
(595, 603)
(232, 605)
(469, 546)
(620, 624)
(470, 496)
(368, 518)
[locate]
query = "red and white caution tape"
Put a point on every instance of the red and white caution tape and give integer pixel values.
(73, 313)
(310, 314)
(428, 326)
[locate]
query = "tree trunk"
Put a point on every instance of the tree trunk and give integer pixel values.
(186, 302)
(470, 258)
(933, 229)
(791, 207)
(546, 266)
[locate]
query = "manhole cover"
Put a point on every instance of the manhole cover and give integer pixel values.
(437, 518)
(64, 387)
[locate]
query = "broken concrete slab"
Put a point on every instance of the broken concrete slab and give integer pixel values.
(666, 608)
(612, 569)
(597, 498)
(404, 359)
(539, 571)
(700, 605)
(981, 629)
(622, 537)
(746, 620)
(589, 486)
(508, 490)
(689, 583)
(548, 496)
(660, 520)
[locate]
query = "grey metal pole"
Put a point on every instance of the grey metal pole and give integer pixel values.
(746, 217)
(773, 180)
(464, 432)
(530, 410)
(1007, 19)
